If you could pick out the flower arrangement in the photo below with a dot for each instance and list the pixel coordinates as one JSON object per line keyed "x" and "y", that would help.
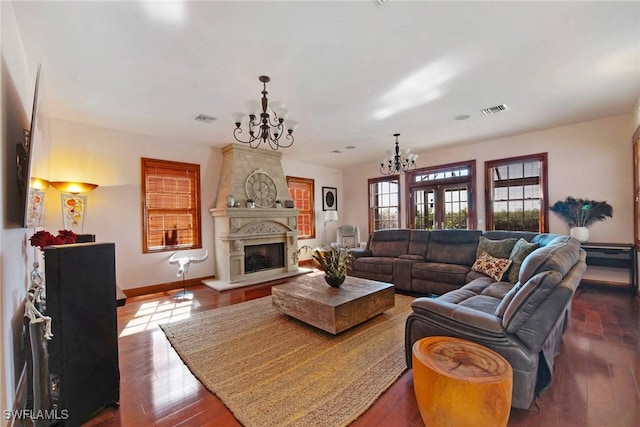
{"x": 43, "y": 238}
{"x": 581, "y": 212}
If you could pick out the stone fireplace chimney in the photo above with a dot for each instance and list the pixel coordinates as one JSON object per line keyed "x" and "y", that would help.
{"x": 264, "y": 238}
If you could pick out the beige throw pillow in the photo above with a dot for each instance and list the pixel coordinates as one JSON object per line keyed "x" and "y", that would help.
{"x": 490, "y": 266}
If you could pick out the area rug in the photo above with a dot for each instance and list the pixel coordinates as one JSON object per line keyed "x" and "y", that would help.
{"x": 272, "y": 370}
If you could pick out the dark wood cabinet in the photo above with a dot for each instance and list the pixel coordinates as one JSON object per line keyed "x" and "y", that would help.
{"x": 83, "y": 353}
{"x": 611, "y": 265}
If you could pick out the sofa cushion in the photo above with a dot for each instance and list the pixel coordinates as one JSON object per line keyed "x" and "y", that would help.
{"x": 527, "y": 298}
{"x": 496, "y": 248}
{"x": 520, "y": 251}
{"x": 506, "y": 300}
{"x": 498, "y": 289}
{"x": 492, "y": 267}
{"x": 453, "y": 246}
{"x": 418, "y": 243}
{"x": 504, "y": 234}
{"x": 390, "y": 243}
{"x": 483, "y": 303}
{"x": 377, "y": 265}
{"x": 558, "y": 255}
{"x": 412, "y": 257}
{"x": 440, "y": 272}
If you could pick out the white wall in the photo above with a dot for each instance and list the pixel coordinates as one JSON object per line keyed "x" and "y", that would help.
{"x": 111, "y": 159}
{"x": 18, "y": 83}
{"x": 588, "y": 160}
{"x": 323, "y": 177}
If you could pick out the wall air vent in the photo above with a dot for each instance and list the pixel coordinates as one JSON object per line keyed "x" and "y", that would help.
{"x": 204, "y": 118}
{"x": 494, "y": 110}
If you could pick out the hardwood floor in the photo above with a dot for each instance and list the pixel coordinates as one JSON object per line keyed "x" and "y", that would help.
{"x": 596, "y": 380}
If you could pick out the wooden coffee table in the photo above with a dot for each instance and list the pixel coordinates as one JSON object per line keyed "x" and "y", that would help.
{"x": 308, "y": 298}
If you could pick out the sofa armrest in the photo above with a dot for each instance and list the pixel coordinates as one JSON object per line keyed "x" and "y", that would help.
{"x": 464, "y": 317}
{"x": 402, "y": 272}
{"x": 360, "y": 252}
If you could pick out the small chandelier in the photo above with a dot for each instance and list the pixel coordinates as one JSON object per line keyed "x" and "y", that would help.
{"x": 265, "y": 127}
{"x": 400, "y": 162}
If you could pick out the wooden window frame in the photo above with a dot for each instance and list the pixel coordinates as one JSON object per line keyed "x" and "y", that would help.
{"x": 543, "y": 223}
{"x": 147, "y": 165}
{"x": 372, "y": 208}
{"x": 310, "y": 183}
{"x": 469, "y": 180}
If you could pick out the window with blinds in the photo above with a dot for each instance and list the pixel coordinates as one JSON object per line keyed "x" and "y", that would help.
{"x": 171, "y": 205}
{"x": 301, "y": 191}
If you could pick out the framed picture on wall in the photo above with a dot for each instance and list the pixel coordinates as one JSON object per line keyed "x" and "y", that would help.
{"x": 329, "y": 199}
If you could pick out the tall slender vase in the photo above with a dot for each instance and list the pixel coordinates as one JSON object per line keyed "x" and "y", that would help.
{"x": 580, "y": 233}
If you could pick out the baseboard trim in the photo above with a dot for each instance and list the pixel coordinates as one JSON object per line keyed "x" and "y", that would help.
{"x": 164, "y": 287}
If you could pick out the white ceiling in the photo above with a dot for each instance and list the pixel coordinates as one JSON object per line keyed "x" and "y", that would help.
{"x": 353, "y": 73}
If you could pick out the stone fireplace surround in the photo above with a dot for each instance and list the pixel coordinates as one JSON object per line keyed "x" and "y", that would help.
{"x": 238, "y": 228}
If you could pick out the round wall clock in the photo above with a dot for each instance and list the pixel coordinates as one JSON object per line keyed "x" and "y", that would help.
{"x": 261, "y": 188}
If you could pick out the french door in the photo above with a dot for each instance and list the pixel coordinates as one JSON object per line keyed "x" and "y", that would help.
{"x": 442, "y": 206}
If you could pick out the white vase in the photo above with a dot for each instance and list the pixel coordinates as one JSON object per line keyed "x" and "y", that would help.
{"x": 580, "y": 233}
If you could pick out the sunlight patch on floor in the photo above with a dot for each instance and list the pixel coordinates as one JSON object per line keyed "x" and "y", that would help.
{"x": 150, "y": 314}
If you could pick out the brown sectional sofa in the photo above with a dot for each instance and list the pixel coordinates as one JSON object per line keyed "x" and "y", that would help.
{"x": 418, "y": 261}
{"x": 523, "y": 320}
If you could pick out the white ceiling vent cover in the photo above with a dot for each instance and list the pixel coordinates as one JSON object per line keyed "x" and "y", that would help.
{"x": 204, "y": 118}
{"x": 495, "y": 110}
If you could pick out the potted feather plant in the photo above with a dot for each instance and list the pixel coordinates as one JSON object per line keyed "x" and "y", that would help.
{"x": 580, "y": 214}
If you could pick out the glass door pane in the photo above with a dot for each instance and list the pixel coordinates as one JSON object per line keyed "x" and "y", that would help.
{"x": 455, "y": 206}
{"x": 424, "y": 217}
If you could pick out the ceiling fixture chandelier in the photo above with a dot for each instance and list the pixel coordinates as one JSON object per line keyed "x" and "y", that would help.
{"x": 263, "y": 126}
{"x": 398, "y": 162}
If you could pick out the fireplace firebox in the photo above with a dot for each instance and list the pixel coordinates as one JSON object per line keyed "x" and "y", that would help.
{"x": 263, "y": 257}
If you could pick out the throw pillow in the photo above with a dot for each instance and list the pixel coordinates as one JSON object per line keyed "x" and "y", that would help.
{"x": 490, "y": 266}
{"x": 496, "y": 248}
{"x": 521, "y": 249}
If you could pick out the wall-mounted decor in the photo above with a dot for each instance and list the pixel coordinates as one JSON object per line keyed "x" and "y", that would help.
{"x": 329, "y": 199}
{"x": 73, "y": 212}
{"x": 636, "y": 187}
{"x": 32, "y": 157}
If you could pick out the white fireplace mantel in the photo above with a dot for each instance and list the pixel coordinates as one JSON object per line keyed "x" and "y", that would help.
{"x": 236, "y": 228}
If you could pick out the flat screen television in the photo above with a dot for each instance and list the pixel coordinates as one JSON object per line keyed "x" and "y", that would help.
{"x": 32, "y": 158}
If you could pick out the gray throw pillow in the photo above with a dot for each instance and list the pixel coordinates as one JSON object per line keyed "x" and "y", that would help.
{"x": 496, "y": 248}
{"x": 520, "y": 250}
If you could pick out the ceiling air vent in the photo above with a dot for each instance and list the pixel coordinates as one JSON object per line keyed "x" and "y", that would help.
{"x": 204, "y": 118}
{"x": 494, "y": 110}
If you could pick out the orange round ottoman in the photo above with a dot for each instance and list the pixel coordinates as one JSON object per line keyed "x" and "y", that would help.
{"x": 461, "y": 383}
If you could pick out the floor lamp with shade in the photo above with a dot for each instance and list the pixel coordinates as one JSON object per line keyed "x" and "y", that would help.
{"x": 329, "y": 216}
